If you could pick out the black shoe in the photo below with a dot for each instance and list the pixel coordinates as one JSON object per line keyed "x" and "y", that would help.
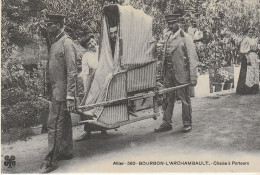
{"x": 65, "y": 157}
{"x": 46, "y": 167}
{"x": 187, "y": 128}
{"x": 163, "y": 128}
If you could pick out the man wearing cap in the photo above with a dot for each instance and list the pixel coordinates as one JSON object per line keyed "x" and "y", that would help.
{"x": 180, "y": 61}
{"x": 62, "y": 76}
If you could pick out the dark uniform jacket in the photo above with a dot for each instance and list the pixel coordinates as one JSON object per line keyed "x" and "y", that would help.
{"x": 63, "y": 68}
{"x": 180, "y": 54}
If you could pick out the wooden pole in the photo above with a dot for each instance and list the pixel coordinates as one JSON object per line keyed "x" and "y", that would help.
{"x": 137, "y": 97}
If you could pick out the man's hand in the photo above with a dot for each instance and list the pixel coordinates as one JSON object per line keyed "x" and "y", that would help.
{"x": 193, "y": 82}
{"x": 71, "y": 106}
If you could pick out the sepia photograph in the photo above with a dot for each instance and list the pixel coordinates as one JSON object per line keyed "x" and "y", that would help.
{"x": 130, "y": 86}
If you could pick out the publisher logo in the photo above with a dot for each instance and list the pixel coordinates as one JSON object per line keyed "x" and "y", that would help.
{"x": 10, "y": 161}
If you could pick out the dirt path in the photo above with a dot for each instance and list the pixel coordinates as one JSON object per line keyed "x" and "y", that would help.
{"x": 226, "y": 129}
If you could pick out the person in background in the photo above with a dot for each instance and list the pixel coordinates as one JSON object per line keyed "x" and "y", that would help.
{"x": 248, "y": 82}
{"x": 63, "y": 77}
{"x": 89, "y": 62}
{"x": 113, "y": 38}
{"x": 89, "y": 65}
{"x": 179, "y": 67}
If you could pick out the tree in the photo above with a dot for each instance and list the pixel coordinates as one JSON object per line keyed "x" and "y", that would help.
{"x": 20, "y": 106}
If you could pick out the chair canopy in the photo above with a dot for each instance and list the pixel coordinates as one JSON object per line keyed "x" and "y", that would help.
{"x": 134, "y": 47}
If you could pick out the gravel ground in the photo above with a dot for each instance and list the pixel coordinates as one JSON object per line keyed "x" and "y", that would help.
{"x": 226, "y": 129}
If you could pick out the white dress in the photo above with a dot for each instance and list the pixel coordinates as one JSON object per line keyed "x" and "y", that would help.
{"x": 89, "y": 61}
{"x": 252, "y": 75}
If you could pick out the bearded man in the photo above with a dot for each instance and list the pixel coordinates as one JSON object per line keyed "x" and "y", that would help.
{"x": 179, "y": 67}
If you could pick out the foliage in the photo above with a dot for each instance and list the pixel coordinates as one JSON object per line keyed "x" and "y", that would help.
{"x": 20, "y": 104}
{"x": 221, "y": 52}
{"x": 82, "y": 18}
{"x": 225, "y": 23}
{"x": 222, "y": 76}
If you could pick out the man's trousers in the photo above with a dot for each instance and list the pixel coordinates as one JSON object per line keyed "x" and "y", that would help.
{"x": 59, "y": 131}
{"x": 170, "y": 98}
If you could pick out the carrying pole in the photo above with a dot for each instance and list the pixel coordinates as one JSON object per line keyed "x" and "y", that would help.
{"x": 135, "y": 97}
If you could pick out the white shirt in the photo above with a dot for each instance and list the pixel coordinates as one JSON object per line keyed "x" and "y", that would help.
{"x": 89, "y": 60}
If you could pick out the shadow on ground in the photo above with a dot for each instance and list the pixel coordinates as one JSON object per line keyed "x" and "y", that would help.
{"x": 226, "y": 124}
